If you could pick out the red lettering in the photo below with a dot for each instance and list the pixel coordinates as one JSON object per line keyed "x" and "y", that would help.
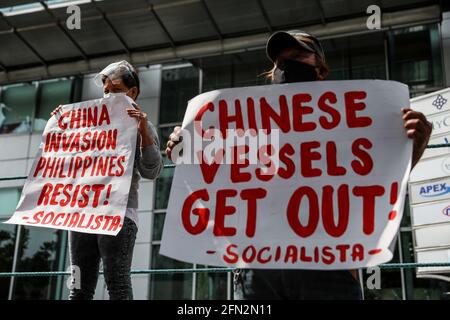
{"x": 293, "y": 211}
{"x": 202, "y": 213}
{"x": 368, "y": 193}
{"x": 352, "y": 106}
{"x": 299, "y": 110}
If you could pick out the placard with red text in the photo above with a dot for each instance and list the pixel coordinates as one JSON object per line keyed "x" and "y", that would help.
{"x": 327, "y": 189}
{"x": 81, "y": 176}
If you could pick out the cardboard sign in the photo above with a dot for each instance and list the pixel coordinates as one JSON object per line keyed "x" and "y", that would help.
{"x": 330, "y": 197}
{"x": 81, "y": 175}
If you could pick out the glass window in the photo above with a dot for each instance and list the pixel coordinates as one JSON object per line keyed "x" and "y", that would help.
{"x": 7, "y": 245}
{"x": 178, "y": 86}
{"x": 234, "y": 70}
{"x": 356, "y": 57}
{"x": 163, "y": 185}
{"x": 9, "y": 198}
{"x": 40, "y": 250}
{"x": 211, "y": 286}
{"x": 158, "y": 224}
{"x": 415, "y": 56}
{"x": 217, "y": 72}
{"x": 421, "y": 288}
{"x": 390, "y": 285}
{"x": 169, "y": 286}
{"x": 52, "y": 94}
{"x": 17, "y": 105}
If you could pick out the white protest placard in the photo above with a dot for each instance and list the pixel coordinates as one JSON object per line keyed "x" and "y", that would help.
{"x": 81, "y": 176}
{"x": 327, "y": 191}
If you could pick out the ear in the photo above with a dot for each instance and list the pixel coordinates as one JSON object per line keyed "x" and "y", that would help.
{"x": 133, "y": 93}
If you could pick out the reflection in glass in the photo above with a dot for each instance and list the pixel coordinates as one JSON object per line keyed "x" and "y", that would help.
{"x": 39, "y": 250}
{"x": 234, "y": 70}
{"x": 158, "y": 224}
{"x": 16, "y": 108}
{"x": 390, "y": 284}
{"x": 356, "y": 57}
{"x": 163, "y": 185}
{"x": 178, "y": 86}
{"x": 52, "y": 94}
{"x": 211, "y": 286}
{"x": 169, "y": 286}
{"x": 7, "y": 244}
{"x": 415, "y": 56}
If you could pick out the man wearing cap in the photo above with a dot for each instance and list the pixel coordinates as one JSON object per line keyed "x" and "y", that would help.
{"x": 116, "y": 252}
{"x": 298, "y": 56}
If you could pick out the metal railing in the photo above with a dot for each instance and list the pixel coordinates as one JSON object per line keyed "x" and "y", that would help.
{"x": 212, "y": 270}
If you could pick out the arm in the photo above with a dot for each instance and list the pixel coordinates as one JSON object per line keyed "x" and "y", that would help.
{"x": 150, "y": 162}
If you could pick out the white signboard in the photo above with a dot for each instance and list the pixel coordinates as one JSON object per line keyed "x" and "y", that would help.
{"x": 433, "y": 256}
{"x": 429, "y": 185}
{"x": 335, "y": 200}
{"x": 434, "y": 140}
{"x": 81, "y": 176}
{"x": 432, "y": 103}
{"x": 432, "y": 190}
{"x": 431, "y": 168}
{"x": 434, "y": 236}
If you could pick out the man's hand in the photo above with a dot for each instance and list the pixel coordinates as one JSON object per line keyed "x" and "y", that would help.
{"x": 419, "y": 129}
{"x": 143, "y": 129}
{"x": 174, "y": 139}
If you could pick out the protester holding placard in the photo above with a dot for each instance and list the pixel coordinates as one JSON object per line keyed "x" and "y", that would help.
{"x": 298, "y": 57}
{"x": 116, "y": 252}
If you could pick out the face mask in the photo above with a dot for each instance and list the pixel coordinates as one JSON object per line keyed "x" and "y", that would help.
{"x": 289, "y": 71}
{"x": 114, "y": 94}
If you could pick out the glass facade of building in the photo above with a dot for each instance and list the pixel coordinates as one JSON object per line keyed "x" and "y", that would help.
{"x": 411, "y": 55}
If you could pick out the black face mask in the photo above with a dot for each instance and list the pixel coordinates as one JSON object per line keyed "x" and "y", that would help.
{"x": 289, "y": 71}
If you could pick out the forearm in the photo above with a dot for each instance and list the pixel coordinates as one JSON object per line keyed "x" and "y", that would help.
{"x": 150, "y": 163}
{"x": 417, "y": 154}
{"x": 418, "y": 151}
{"x": 146, "y": 138}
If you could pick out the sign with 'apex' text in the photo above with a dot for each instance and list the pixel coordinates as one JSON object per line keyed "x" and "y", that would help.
{"x": 295, "y": 176}
{"x": 81, "y": 176}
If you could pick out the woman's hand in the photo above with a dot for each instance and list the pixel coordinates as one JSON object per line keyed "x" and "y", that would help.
{"x": 142, "y": 117}
{"x": 143, "y": 129}
{"x": 419, "y": 129}
{"x": 174, "y": 139}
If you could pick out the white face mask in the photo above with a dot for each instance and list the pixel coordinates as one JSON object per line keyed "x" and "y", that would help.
{"x": 114, "y": 94}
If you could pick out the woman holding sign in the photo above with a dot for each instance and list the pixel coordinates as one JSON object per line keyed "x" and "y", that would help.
{"x": 297, "y": 57}
{"x": 116, "y": 252}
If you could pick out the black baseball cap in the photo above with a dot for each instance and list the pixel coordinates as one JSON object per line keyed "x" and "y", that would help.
{"x": 283, "y": 39}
